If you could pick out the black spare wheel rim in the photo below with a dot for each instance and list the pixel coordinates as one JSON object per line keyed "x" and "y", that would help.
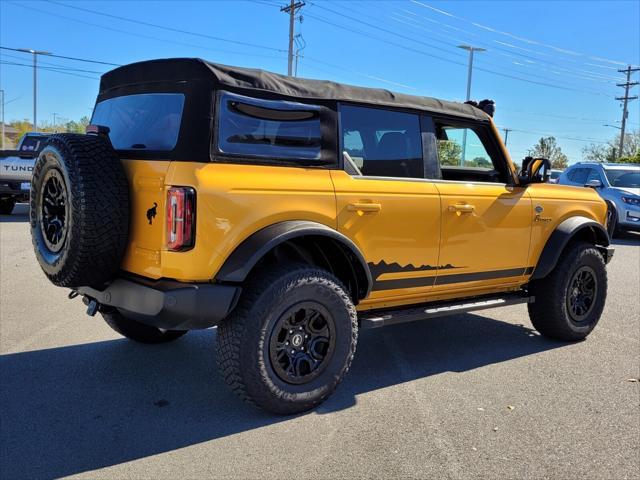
{"x": 581, "y": 296}
{"x": 302, "y": 342}
{"x": 53, "y": 207}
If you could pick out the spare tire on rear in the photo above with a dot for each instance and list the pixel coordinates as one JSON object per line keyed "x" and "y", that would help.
{"x": 79, "y": 210}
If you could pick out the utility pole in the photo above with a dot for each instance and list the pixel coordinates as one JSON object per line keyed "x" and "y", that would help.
{"x": 471, "y": 50}
{"x": 56, "y": 116}
{"x": 628, "y": 84}
{"x": 35, "y": 54}
{"x": 291, "y": 9}
{"x": 300, "y": 46}
{"x": 506, "y": 135}
{"x": 2, "y": 115}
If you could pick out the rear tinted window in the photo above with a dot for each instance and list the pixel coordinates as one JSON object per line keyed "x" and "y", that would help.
{"x": 149, "y": 121}
{"x": 33, "y": 143}
{"x": 268, "y": 128}
{"x": 382, "y": 143}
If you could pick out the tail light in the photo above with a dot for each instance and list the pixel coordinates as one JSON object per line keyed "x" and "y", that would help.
{"x": 181, "y": 218}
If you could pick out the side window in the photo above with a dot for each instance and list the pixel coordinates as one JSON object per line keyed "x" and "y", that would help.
{"x": 593, "y": 175}
{"x": 381, "y": 143}
{"x": 268, "y": 128}
{"x": 579, "y": 175}
{"x": 462, "y": 147}
{"x": 465, "y": 153}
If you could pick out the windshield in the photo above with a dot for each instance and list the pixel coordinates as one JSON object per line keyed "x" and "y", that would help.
{"x": 149, "y": 121}
{"x": 623, "y": 178}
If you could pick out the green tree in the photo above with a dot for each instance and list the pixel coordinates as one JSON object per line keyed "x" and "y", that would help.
{"x": 608, "y": 152}
{"x": 449, "y": 152}
{"x": 77, "y": 127}
{"x": 547, "y": 147}
{"x": 23, "y": 126}
{"x": 634, "y": 159}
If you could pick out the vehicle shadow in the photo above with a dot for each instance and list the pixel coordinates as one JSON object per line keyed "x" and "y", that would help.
{"x": 20, "y": 214}
{"x": 627, "y": 238}
{"x": 79, "y": 408}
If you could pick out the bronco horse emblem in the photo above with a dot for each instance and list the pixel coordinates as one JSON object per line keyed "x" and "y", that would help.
{"x": 151, "y": 213}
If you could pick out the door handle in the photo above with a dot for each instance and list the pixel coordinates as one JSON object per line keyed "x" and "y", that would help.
{"x": 462, "y": 208}
{"x": 364, "y": 207}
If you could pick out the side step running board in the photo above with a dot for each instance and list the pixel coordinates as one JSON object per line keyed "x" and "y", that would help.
{"x": 440, "y": 309}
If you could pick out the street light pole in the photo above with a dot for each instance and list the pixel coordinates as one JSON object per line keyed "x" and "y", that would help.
{"x": 35, "y": 54}
{"x": 2, "y": 115}
{"x": 471, "y": 50}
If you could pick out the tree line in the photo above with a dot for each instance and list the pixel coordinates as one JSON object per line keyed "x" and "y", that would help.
{"x": 24, "y": 126}
{"x": 547, "y": 147}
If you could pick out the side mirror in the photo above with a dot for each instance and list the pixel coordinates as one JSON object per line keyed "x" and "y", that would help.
{"x": 535, "y": 170}
{"x": 593, "y": 183}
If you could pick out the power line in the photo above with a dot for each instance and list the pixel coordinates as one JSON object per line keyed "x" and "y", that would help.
{"x": 444, "y": 59}
{"x": 439, "y": 24}
{"x": 51, "y": 69}
{"x": 517, "y": 37}
{"x": 530, "y": 60}
{"x": 165, "y": 27}
{"x": 67, "y": 58}
{"x": 563, "y": 117}
{"x": 65, "y": 67}
{"x": 139, "y": 35}
{"x": 552, "y": 134}
{"x": 358, "y": 20}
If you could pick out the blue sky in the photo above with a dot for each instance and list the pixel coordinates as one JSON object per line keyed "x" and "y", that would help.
{"x": 550, "y": 66}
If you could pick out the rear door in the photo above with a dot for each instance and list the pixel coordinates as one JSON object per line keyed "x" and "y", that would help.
{"x": 144, "y": 129}
{"x": 486, "y": 220}
{"x": 384, "y": 204}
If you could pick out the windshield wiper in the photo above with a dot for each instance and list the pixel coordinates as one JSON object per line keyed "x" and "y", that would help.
{"x": 139, "y": 146}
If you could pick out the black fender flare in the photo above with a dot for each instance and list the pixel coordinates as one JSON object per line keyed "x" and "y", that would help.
{"x": 237, "y": 266}
{"x": 561, "y": 236}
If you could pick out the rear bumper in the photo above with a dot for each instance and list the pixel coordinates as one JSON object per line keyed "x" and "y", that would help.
{"x": 13, "y": 189}
{"x": 167, "y": 304}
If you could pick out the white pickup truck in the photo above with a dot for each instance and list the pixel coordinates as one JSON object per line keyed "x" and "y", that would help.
{"x": 16, "y": 168}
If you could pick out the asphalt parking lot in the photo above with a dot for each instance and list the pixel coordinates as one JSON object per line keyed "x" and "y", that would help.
{"x": 476, "y": 395}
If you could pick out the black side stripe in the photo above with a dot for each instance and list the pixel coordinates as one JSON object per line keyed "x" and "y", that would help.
{"x": 449, "y": 279}
{"x": 403, "y": 283}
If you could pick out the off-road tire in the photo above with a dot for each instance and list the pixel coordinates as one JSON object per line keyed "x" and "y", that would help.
{"x": 96, "y": 223}
{"x": 7, "y": 205}
{"x": 138, "y": 331}
{"x": 550, "y": 313}
{"x": 244, "y": 337}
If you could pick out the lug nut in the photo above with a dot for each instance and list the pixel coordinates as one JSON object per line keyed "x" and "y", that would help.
{"x": 286, "y": 343}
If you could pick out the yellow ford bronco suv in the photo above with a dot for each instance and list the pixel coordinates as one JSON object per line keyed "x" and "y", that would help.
{"x": 291, "y": 213}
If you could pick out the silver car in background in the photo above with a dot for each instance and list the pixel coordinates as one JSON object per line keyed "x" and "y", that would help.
{"x": 617, "y": 183}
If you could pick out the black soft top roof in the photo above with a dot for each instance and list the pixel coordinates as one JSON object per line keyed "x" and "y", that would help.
{"x": 189, "y": 69}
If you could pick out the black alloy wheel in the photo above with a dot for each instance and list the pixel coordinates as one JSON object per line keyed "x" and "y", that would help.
{"x": 290, "y": 340}
{"x": 583, "y": 288}
{"x": 570, "y": 300}
{"x": 52, "y": 207}
{"x": 302, "y": 342}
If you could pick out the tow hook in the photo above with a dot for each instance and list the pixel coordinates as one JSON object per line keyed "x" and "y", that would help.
{"x": 92, "y": 305}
